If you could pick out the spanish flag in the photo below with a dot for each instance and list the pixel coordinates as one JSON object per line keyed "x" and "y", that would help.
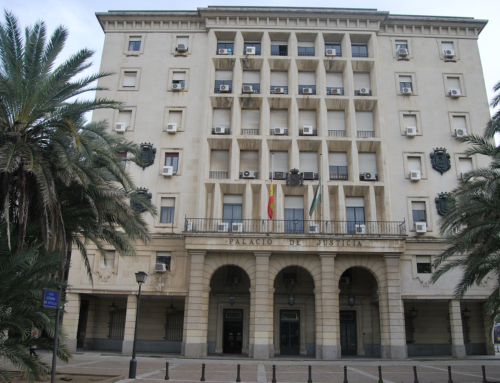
{"x": 270, "y": 204}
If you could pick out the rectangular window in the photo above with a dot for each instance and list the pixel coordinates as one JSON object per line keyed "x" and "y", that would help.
{"x": 355, "y": 213}
{"x": 405, "y": 82}
{"x": 308, "y": 162}
{"x": 401, "y": 44}
{"x": 414, "y": 163}
{"x": 249, "y": 160}
{"x": 279, "y": 48}
{"x": 117, "y": 325}
{"x": 367, "y": 162}
{"x": 252, "y": 77}
{"x": 179, "y": 78}
{"x": 453, "y": 83}
{"x": 336, "y": 46}
{"x": 250, "y": 122}
{"x": 223, "y": 77}
{"x": 465, "y": 165}
{"x": 424, "y": 264}
{"x": 418, "y": 212}
{"x": 307, "y": 80}
{"x": 184, "y": 40}
{"x": 447, "y": 46}
{"x": 255, "y": 45}
{"x": 125, "y": 117}
{"x": 222, "y": 117}
{"x": 294, "y": 214}
{"x": 279, "y": 119}
{"x": 226, "y": 45}
{"x": 134, "y": 44}
{"x": 361, "y": 81}
{"x": 279, "y": 80}
{"x": 164, "y": 257}
{"x": 175, "y": 117}
{"x": 364, "y": 124}
{"x": 459, "y": 123}
{"x": 232, "y": 210}
{"x": 174, "y": 325}
{"x": 219, "y": 164}
{"x": 167, "y": 210}
{"x": 409, "y": 120}
{"x": 336, "y": 123}
{"x": 359, "y": 50}
{"x": 109, "y": 261}
{"x": 172, "y": 159}
{"x": 123, "y": 159}
{"x": 338, "y": 165}
{"x": 129, "y": 79}
{"x": 306, "y": 48}
{"x": 280, "y": 162}
{"x": 334, "y": 83}
{"x": 307, "y": 118}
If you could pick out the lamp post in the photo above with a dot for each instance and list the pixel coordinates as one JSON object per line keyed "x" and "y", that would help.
{"x": 140, "y": 277}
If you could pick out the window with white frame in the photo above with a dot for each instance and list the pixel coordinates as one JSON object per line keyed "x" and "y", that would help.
{"x": 405, "y": 82}
{"x": 134, "y": 43}
{"x": 418, "y": 212}
{"x": 179, "y": 78}
{"x": 167, "y": 210}
{"x": 129, "y": 79}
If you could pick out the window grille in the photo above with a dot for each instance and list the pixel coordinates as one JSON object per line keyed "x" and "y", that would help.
{"x": 174, "y": 326}
{"x": 117, "y": 325}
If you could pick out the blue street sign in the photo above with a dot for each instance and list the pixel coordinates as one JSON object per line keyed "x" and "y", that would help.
{"x": 50, "y": 298}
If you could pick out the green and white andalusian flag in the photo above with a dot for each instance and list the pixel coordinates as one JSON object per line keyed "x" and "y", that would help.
{"x": 317, "y": 198}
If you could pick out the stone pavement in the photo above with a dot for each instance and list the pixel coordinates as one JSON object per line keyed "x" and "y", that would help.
{"x": 151, "y": 369}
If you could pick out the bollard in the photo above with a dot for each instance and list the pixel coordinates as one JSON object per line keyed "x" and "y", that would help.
{"x": 484, "y": 374}
{"x": 449, "y": 375}
{"x": 274, "y": 374}
{"x": 345, "y": 374}
{"x": 202, "y": 372}
{"x": 415, "y": 374}
{"x": 380, "y": 374}
{"x": 310, "y": 378}
{"x": 238, "y": 379}
{"x": 166, "y": 372}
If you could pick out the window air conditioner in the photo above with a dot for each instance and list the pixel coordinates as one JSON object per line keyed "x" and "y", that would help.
{"x": 411, "y": 131}
{"x": 307, "y": 130}
{"x": 402, "y": 52}
{"x": 455, "y": 93}
{"x": 449, "y": 53}
{"x": 222, "y": 227}
{"x": 335, "y": 92}
{"x": 224, "y": 88}
{"x": 223, "y": 52}
{"x": 249, "y": 174}
{"x": 370, "y": 176}
{"x": 279, "y": 90}
{"x": 364, "y": 92}
{"x": 360, "y": 229}
{"x": 406, "y": 91}
{"x": 171, "y": 128}
{"x": 331, "y": 52}
{"x": 120, "y": 127}
{"x": 250, "y": 50}
{"x": 176, "y": 86}
{"x": 279, "y": 131}
{"x": 167, "y": 171}
{"x": 220, "y": 130}
{"x": 415, "y": 175}
{"x": 421, "y": 227}
{"x": 189, "y": 226}
{"x": 279, "y": 175}
{"x": 313, "y": 228}
{"x": 247, "y": 89}
{"x": 181, "y": 48}
{"x": 460, "y": 132}
{"x": 233, "y": 280}
{"x": 308, "y": 175}
{"x": 307, "y": 91}
{"x": 344, "y": 280}
{"x": 160, "y": 268}
{"x": 237, "y": 227}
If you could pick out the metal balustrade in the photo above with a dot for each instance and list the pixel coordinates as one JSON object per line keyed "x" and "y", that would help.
{"x": 249, "y": 132}
{"x": 366, "y": 133}
{"x": 219, "y": 175}
{"x": 336, "y": 133}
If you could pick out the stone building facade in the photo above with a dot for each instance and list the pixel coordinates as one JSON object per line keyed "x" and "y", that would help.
{"x": 219, "y": 98}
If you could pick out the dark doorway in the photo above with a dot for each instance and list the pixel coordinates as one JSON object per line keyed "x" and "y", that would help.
{"x": 233, "y": 331}
{"x": 348, "y": 336}
{"x": 82, "y": 322}
{"x": 290, "y": 332}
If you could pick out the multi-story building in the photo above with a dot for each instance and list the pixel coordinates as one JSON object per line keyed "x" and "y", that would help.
{"x": 223, "y": 99}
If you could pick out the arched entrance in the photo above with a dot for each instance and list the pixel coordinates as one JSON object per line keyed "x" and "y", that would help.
{"x": 229, "y": 311}
{"x": 294, "y": 312}
{"x": 359, "y": 316}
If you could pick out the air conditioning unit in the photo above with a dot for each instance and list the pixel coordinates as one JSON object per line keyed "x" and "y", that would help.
{"x": 279, "y": 131}
{"x": 460, "y": 133}
{"x": 307, "y": 91}
{"x": 415, "y": 175}
{"x": 224, "y": 88}
{"x": 344, "y": 280}
{"x": 120, "y": 127}
{"x": 249, "y": 174}
{"x": 167, "y": 171}
{"x": 189, "y": 226}
{"x": 279, "y": 176}
{"x": 406, "y": 91}
{"x": 223, "y": 227}
{"x": 402, "y": 52}
{"x": 331, "y": 52}
{"x": 247, "y": 89}
{"x": 250, "y": 50}
{"x": 411, "y": 131}
{"x": 313, "y": 228}
{"x": 220, "y": 130}
{"x": 455, "y": 93}
{"x": 279, "y": 90}
{"x": 223, "y": 52}
{"x": 233, "y": 280}
{"x": 160, "y": 268}
{"x": 237, "y": 227}
{"x": 171, "y": 128}
{"x": 449, "y": 53}
{"x": 307, "y": 130}
{"x": 335, "y": 92}
{"x": 421, "y": 227}
{"x": 364, "y": 92}
{"x": 176, "y": 86}
{"x": 181, "y": 48}
{"x": 360, "y": 229}
{"x": 370, "y": 176}
{"x": 308, "y": 175}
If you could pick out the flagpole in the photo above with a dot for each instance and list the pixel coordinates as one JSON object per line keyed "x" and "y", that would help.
{"x": 320, "y": 173}
{"x": 272, "y": 175}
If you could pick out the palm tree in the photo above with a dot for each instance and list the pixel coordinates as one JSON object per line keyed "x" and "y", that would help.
{"x": 471, "y": 226}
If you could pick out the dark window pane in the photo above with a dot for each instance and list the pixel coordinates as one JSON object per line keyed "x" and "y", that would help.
{"x": 419, "y": 216}
{"x": 167, "y": 214}
{"x": 424, "y": 268}
{"x": 165, "y": 259}
{"x": 134, "y": 46}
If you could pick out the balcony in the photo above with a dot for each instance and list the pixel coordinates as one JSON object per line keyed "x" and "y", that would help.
{"x": 312, "y": 227}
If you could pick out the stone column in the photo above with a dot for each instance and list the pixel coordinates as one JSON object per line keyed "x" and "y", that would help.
{"x": 130, "y": 315}
{"x": 392, "y": 312}
{"x": 197, "y": 309}
{"x": 88, "y": 342}
{"x": 456, "y": 333}
{"x": 70, "y": 319}
{"x": 263, "y": 329}
{"x": 330, "y": 308}
{"x": 318, "y": 316}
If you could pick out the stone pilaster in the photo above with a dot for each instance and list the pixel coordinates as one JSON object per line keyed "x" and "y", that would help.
{"x": 130, "y": 315}
{"x": 263, "y": 330}
{"x": 456, "y": 333}
{"x": 88, "y": 343}
{"x": 70, "y": 320}
{"x": 488, "y": 329}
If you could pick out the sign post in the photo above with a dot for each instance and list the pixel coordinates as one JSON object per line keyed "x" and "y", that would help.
{"x": 51, "y": 299}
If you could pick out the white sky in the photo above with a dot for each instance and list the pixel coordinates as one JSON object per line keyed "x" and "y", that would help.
{"x": 84, "y": 30}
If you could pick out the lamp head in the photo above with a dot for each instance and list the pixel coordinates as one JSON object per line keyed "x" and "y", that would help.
{"x": 113, "y": 308}
{"x": 351, "y": 300}
{"x": 413, "y": 312}
{"x": 466, "y": 313}
{"x": 140, "y": 277}
{"x": 231, "y": 299}
{"x": 291, "y": 299}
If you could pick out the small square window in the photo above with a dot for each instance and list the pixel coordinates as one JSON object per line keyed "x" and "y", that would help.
{"x": 129, "y": 79}
{"x": 401, "y": 44}
{"x": 109, "y": 261}
{"x": 134, "y": 44}
{"x": 164, "y": 257}
{"x": 424, "y": 264}
{"x": 167, "y": 210}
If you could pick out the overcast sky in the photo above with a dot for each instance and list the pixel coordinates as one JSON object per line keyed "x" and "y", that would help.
{"x": 84, "y": 30}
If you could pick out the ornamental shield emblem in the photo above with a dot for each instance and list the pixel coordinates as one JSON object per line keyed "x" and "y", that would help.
{"x": 136, "y": 205}
{"x": 147, "y": 155}
{"x": 441, "y": 203}
{"x": 294, "y": 178}
{"x": 440, "y": 160}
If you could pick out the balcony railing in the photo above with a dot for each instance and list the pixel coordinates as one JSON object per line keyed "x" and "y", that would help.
{"x": 312, "y": 87}
{"x": 216, "y": 174}
{"x": 334, "y": 91}
{"x": 336, "y": 133}
{"x": 366, "y": 133}
{"x": 255, "y": 87}
{"x": 338, "y": 173}
{"x": 277, "y": 52}
{"x": 216, "y": 129}
{"x": 277, "y": 132}
{"x": 314, "y": 132}
{"x": 256, "y": 226}
{"x": 273, "y": 87}
{"x": 249, "y": 132}
{"x": 217, "y": 90}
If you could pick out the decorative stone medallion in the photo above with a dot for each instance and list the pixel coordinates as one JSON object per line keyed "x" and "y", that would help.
{"x": 136, "y": 205}
{"x": 440, "y": 160}
{"x": 147, "y": 155}
{"x": 441, "y": 203}
{"x": 294, "y": 178}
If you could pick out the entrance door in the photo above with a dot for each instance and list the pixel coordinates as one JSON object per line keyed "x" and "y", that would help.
{"x": 348, "y": 335}
{"x": 290, "y": 332}
{"x": 233, "y": 331}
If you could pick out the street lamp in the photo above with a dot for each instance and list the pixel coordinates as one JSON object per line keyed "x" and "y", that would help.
{"x": 351, "y": 300}
{"x": 291, "y": 299}
{"x": 140, "y": 277}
